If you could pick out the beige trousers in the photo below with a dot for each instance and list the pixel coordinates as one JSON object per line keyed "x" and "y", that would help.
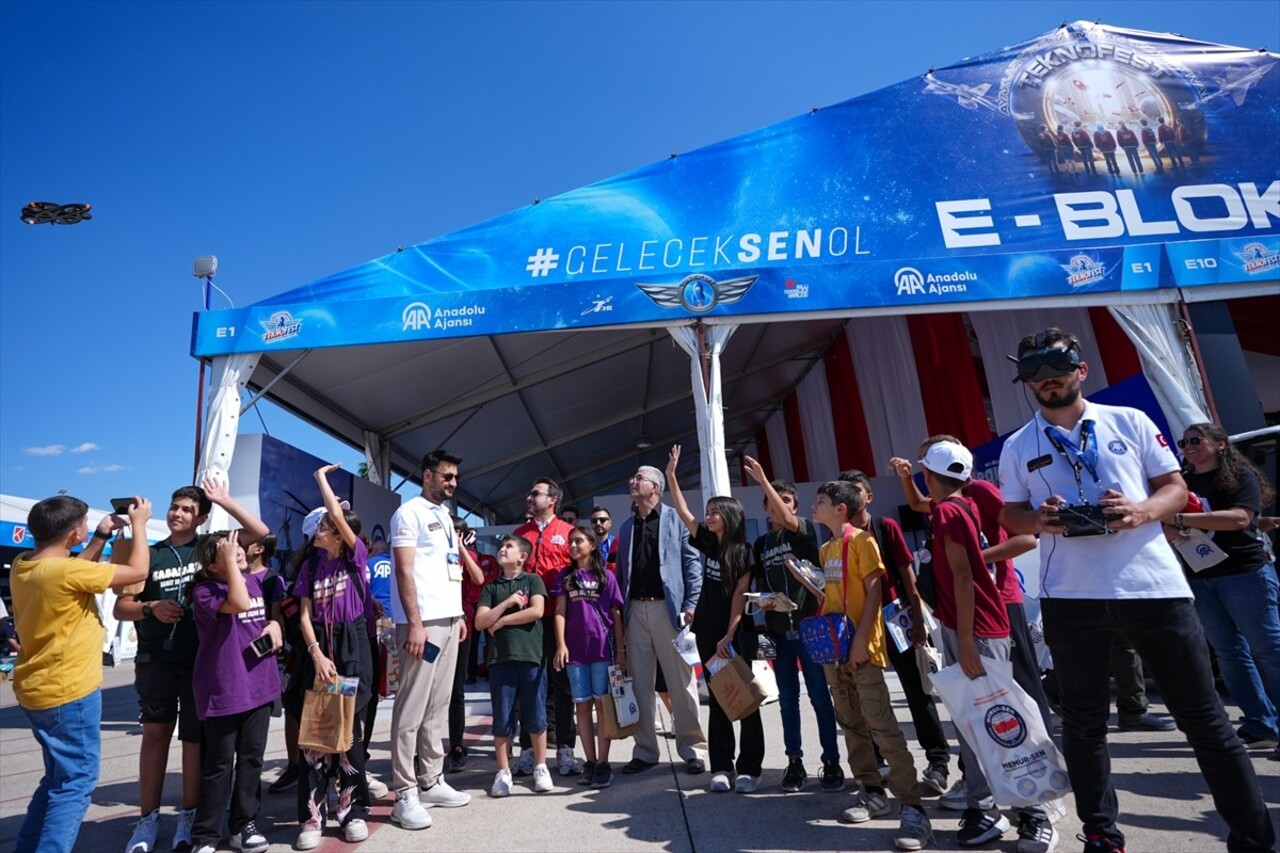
{"x": 864, "y": 711}
{"x": 420, "y": 717}
{"x": 649, "y": 638}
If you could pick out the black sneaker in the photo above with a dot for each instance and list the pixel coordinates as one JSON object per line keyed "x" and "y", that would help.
{"x": 286, "y": 780}
{"x": 979, "y": 828}
{"x": 1035, "y": 835}
{"x": 933, "y": 781}
{"x": 832, "y": 776}
{"x": 588, "y": 770}
{"x": 249, "y": 840}
{"x": 457, "y": 760}
{"x": 603, "y": 777}
{"x": 793, "y": 779}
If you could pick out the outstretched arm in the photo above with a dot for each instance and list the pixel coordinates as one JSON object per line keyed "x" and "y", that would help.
{"x": 220, "y": 493}
{"x": 778, "y": 510}
{"x": 915, "y": 498}
{"x": 331, "y": 505}
{"x": 677, "y": 496}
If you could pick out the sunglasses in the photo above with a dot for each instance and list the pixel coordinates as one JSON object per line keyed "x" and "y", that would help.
{"x": 1194, "y": 441}
{"x": 604, "y": 519}
{"x": 1043, "y": 364}
{"x": 536, "y": 494}
{"x": 448, "y": 477}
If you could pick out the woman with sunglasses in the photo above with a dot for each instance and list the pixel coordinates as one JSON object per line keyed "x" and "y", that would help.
{"x": 1236, "y": 598}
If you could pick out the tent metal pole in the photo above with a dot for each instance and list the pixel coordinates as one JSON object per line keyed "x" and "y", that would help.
{"x": 1199, "y": 359}
{"x": 262, "y": 392}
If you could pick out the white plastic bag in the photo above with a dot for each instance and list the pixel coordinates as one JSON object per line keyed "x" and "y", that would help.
{"x": 928, "y": 661}
{"x": 686, "y": 645}
{"x": 624, "y": 697}
{"x": 1002, "y": 724}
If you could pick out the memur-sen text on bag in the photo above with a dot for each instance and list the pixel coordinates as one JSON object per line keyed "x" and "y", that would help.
{"x": 735, "y": 687}
{"x": 1002, "y": 723}
{"x": 828, "y": 638}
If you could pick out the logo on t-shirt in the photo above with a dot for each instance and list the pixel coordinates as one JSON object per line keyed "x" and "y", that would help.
{"x": 1118, "y": 447}
{"x": 1005, "y": 726}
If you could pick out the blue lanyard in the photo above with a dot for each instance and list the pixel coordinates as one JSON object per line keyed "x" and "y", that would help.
{"x": 447, "y": 523}
{"x": 1085, "y": 456}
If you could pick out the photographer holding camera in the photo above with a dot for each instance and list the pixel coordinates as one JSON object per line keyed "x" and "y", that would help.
{"x": 1094, "y": 481}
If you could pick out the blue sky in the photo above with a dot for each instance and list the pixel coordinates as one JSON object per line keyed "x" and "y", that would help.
{"x": 294, "y": 140}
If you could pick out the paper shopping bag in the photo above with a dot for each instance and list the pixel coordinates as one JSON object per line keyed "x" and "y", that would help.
{"x": 327, "y": 721}
{"x": 734, "y": 686}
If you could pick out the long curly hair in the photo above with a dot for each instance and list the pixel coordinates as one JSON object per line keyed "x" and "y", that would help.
{"x": 735, "y": 553}
{"x": 1231, "y": 463}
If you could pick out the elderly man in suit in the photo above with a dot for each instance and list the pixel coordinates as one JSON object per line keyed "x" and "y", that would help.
{"x": 660, "y": 576}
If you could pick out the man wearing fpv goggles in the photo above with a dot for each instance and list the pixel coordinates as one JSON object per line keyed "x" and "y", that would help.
{"x": 1075, "y": 454}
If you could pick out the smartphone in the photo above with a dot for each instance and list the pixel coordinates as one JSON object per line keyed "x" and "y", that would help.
{"x": 120, "y": 506}
{"x": 430, "y": 651}
{"x": 263, "y": 646}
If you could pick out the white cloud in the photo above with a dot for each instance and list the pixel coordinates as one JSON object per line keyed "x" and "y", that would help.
{"x": 101, "y": 469}
{"x": 89, "y": 469}
{"x": 85, "y": 447}
{"x": 112, "y": 468}
{"x": 47, "y": 450}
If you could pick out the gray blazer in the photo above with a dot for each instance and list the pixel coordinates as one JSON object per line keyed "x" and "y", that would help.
{"x": 678, "y": 563}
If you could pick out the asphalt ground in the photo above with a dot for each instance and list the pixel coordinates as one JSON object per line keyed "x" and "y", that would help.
{"x": 1164, "y": 805}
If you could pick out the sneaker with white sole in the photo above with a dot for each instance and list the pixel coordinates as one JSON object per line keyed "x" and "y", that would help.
{"x": 524, "y": 764}
{"x": 501, "y": 786}
{"x": 542, "y": 779}
{"x": 408, "y": 813}
{"x": 1056, "y": 809}
{"x": 720, "y": 783}
{"x": 866, "y": 805}
{"x": 144, "y": 835}
{"x": 309, "y": 835}
{"x": 206, "y": 848}
{"x": 355, "y": 830}
{"x": 1036, "y": 835}
{"x": 978, "y": 827}
{"x": 249, "y": 840}
{"x": 746, "y": 784}
{"x": 377, "y": 788}
{"x": 182, "y": 832}
{"x": 566, "y": 763}
{"x": 443, "y": 794}
{"x": 914, "y": 830}
{"x": 956, "y": 798}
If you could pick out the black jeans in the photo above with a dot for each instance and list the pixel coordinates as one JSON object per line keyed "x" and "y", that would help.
{"x": 720, "y": 739}
{"x": 924, "y": 711}
{"x": 233, "y": 744}
{"x": 1026, "y": 667}
{"x": 371, "y": 710}
{"x": 1131, "y": 680}
{"x": 458, "y": 701}
{"x": 562, "y": 721}
{"x": 1167, "y": 634}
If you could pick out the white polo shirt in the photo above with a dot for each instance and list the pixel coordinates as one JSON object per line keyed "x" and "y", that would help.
{"x": 427, "y": 528}
{"x": 1136, "y": 563}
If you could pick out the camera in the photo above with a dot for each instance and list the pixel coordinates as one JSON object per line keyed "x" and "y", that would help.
{"x": 1083, "y": 520}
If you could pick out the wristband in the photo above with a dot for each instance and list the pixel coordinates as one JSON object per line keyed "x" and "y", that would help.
{"x": 98, "y": 534}
{"x": 1178, "y": 522}
{"x": 313, "y": 645}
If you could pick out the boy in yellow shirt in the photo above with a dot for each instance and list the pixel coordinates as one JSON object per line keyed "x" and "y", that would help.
{"x": 858, "y": 688}
{"x": 59, "y": 670}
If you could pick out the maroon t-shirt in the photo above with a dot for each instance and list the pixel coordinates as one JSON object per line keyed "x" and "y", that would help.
{"x": 950, "y": 521}
{"x": 986, "y": 495}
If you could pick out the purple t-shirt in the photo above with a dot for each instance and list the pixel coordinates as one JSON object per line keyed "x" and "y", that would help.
{"x": 340, "y": 588}
{"x": 588, "y": 619}
{"x": 229, "y": 677}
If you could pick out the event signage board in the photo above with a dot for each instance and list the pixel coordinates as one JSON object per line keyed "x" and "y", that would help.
{"x": 1090, "y": 159}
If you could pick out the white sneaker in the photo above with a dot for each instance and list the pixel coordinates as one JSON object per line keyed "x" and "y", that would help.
{"x": 182, "y": 832}
{"x": 747, "y": 784}
{"x": 309, "y": 836}
{"x": 501, "y": 784}
{"x": 442, "y": 794}
{"x": 542, "y": 779}
{"x": 566, "y": 763}
{"x": 524, "y": 764}
{"x": 1056, "y": 809}
{"x": 377, "y": 788}
{"x": 720, "y": 783}
{"x": 355, "y": 830}
{"x": 408, "y": 813}
{"x": 144, "y": 835}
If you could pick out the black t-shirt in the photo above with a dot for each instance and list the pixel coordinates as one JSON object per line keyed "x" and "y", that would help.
{"x": 711, "y": 616}
{"x": 771, "y": 573}
{"x": 646, "y": 570}
{"x": 1244, "y": 547}
{"x": 172, "y": 566}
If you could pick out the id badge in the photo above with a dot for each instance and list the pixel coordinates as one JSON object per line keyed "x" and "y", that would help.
{"x": 455, "y": 567}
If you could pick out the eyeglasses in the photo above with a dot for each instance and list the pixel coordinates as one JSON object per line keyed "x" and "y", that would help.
{"x": 537, "y": 494}
{"x": 1043, "y": 364}
{"x": 1194, "y": 441}
{"x": 604, "y": 519}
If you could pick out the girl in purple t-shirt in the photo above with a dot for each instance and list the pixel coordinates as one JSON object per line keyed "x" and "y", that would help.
{"x": 588, "y": 608}
{"x": 333, "y": 587}
{"x": 235, "y": 686}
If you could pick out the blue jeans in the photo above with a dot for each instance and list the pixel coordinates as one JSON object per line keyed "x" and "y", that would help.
{"x": 71, "y": 739}
{"x": 1240, "y": 620}
{"x": 815, "y": 682}
{"x": 521, "y": 680}
{"x": 1167, "y": 635}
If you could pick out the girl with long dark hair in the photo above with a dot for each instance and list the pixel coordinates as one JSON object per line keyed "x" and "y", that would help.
{"x": 727, "y": 562}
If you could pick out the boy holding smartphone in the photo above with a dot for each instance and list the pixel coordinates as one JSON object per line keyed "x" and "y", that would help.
{"x": 510, "y": 609}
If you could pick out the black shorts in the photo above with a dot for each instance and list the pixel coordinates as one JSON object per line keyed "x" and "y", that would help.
{"x": 164, "y": 695}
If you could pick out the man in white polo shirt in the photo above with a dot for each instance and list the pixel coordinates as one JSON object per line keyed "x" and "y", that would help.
{"x": 1093, "y": 481}
{"x": 426, "y": 605}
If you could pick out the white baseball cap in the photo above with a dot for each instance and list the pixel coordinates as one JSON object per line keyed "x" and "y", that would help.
{"x": 949, "y": 459}
{"x": 312, "y": 519}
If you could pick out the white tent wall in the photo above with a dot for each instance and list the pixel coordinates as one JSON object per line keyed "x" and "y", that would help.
{"x": 779, "y": 448}
{"x": 1166, "y": 362}
{"x": 886, "y": 370}
{"x": 817, "y": 428}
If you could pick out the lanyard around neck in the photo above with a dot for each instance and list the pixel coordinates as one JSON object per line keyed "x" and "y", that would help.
{"x": 1084, "y": 456}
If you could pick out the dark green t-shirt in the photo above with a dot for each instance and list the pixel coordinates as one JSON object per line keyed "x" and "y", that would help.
{"x": 515, "y": 642}
{"x": 172, "y": 566}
